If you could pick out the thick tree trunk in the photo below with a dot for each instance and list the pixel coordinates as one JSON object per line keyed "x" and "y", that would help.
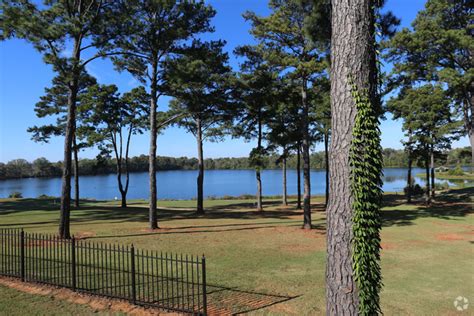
{"x": 432, "y": 167}
{"x": 285, "y": 196}
{"x": 200, "y": 177}
{"x": 65, "y": 212}
{"x": 352, "y": 54}
{"x": 76, "y": 174}
{"x": 298, "y": 176}
{"x": 409, "y": 180}
{"x": 326, "y": 158}
{"x": 306, "y": 160}
{"x": 153, "y": 219}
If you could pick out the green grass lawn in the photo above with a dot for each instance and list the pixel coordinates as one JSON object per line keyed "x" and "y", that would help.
{"x": 447, "y": 176}
{"x": 16, "y": 303}
{"x": 427, "y": 257}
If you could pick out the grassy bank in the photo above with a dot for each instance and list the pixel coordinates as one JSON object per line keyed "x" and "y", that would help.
{"x": 426, "y": 258}
{"x": 448, "y": 176}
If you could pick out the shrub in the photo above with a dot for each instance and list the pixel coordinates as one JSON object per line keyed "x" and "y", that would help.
{"x": 46, "y": 197}
{"x": 15, "y": 195}
{"x": 442, "y": 186}
{"x": 456, "y": 171}
{"x": 415, "y": 190}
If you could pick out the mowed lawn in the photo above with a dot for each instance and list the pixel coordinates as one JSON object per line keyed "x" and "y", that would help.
{"x": 266, "y": 258}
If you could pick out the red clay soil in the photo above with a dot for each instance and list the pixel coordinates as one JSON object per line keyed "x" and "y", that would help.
{"x": 95, "y": 302}
{"x": 84, "y": 235}
{"x": 467, "y": 235}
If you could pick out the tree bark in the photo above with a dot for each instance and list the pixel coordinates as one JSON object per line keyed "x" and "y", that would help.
{"x": 352, "y": 54}
{"x": 65, "y": 210}
{"x": 285, "y": 196}
{"x": 427, "y": 193}
{"x": 257, "y": 171}
{"x": 124, "y": 190}
{"x": 432, "y": 167}
{"x": 298, "y": 176}
{"x": 468, "y": 112}
{"x": 326, "y": 157}
{"x": 76, "y": 173}
{"x": 471, "y": 141}
{"x": 153, "y": 219}
{"x": 306, "y": 160}
{"x": 200, "y": 177}
{"x": 409, "y": 180}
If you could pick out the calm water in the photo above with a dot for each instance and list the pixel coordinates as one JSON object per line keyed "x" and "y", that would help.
{"x": 181, "y": 184}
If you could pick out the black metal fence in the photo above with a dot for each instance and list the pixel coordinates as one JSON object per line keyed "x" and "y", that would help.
{"x": 169, "y": 281}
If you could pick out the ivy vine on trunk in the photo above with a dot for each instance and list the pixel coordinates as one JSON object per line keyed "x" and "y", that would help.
{"x": 366, "y": 163}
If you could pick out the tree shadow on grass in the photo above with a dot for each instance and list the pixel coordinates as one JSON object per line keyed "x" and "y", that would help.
{"x": 27, "y": 205}
{"x": 238, "y": 211}
{"x": 10, "y": 206}
{"x": 233, "y": 301}
{"x": 448, "y": 205}
{"x": 96, "y": 213}
{"x": 220, "y": 228}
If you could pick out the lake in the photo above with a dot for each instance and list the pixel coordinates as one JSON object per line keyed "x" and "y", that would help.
{"x": 181, "y": 184}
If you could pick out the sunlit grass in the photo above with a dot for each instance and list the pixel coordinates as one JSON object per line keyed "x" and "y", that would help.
{"x": 426, "y": 258}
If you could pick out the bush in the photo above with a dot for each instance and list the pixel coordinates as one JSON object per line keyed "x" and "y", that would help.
{"x": 46, "y": 197}
{"x": 456, "y": 171}
{"x": 442, "y": 186}
{"x": 15, "y": 195}
{"x": 415, "y": 190}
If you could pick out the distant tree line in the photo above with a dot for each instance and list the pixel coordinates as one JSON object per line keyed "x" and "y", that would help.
{"x": 42, "y": 167}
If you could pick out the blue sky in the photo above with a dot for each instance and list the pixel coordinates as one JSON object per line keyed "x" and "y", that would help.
{"x": 23, "y": 77}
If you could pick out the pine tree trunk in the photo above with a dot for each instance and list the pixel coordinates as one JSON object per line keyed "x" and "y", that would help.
{"x": 432, "y": 167}
{"x": 65, "y": 211}
{"x": 326, "y": 158}
{"x": 427, "y": 193}
{"x": 120, "y": 185}
{"x": 153, "y": 219}
{"x": 298, "y": 176}
{"x": 127, "y": 171}
{"x": 200, "y": 177}
{"x": 259, "y": 190}
{"x": 352, "y": 54}
{"x": 76, "y": 174}
{"x": 285, "y": 197}
{"x": 471, "y": 140}
{"x": 306, "y": 160}
{"x": 409, "y": 180}
{"x": 257, "y": 172}
{"x": 118, "y": 150}
{"x": 468, "y": 112}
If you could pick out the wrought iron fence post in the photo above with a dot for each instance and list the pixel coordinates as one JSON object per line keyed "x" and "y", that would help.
{"x": 73, "y": 263}
{"x": 132, "y": 262}
{"x": 204, "y": 293}
{"x": 22, "y": 255}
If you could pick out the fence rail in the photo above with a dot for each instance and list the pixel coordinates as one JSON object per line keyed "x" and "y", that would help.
{"x": 149, "y": 278}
